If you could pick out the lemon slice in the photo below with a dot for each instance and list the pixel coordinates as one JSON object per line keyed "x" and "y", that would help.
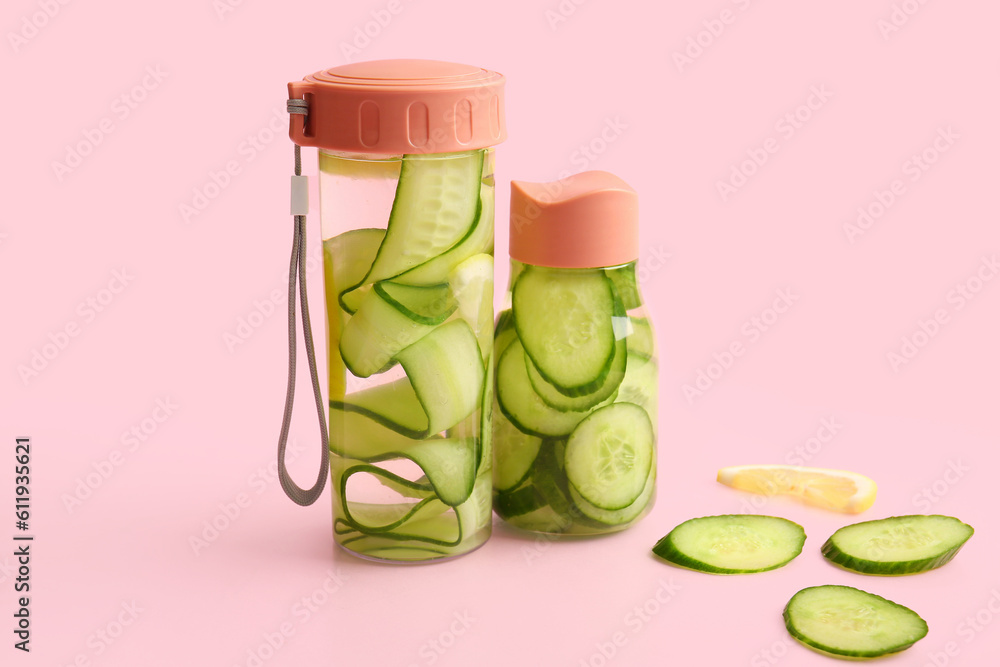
{"x": 838, "y": 490}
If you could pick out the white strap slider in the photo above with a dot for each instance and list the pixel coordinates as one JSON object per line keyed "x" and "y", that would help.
{"x": 300, "y": 195}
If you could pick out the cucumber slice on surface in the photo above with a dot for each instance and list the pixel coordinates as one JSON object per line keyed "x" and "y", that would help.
{"x": 847, "y": 622}
{"x": 897, "y": 545}
{"x": 436, "y": 201}
{"x": 609, "y": 454}
{"x": 521, "y": 405}
{"x": 564, "y": 320}
{"x": 732, "y": 543}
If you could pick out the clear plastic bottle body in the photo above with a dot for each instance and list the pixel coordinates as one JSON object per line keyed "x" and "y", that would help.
{"x": 547, "y": 447}
{"x": 401, "y": 492}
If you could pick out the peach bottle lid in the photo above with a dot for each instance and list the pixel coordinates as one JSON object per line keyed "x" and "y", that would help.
{"x": 587, "y": 220}
{"x": 392, "y": 107}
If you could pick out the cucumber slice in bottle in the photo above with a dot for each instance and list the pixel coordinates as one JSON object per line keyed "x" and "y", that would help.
{"x": 621, "y": 517}
{"x": 549, "y": 479}
{"x": 447, "y": 373}
{"x": 471, "y": 284}
{"x": 898, "y": 545}
{"x": 521, "y": 405}
{"x": 640, "y": 385}
{"x": 609, "y": 455}
{"x": 436, "y": 202}
{"x": 449, "y": 464}
{"x": 640, "y": 339}
{"x": 517, "y": 502}
{"x": 377, "y": 332}
{"x": 556, "y": 399}
{"x": 732, "y": 543}
{"x": 564, "y": 320}
{"x": 393, "y": 405}
{"x": 347, "y": 258}
{"x": 846, "y": 622}
{"x": 478, "y": 240}
{"x": 504, "y": 333}
{"x": 515, "y": 454}
{"x": 624, "y": 281}
{"x": 431, "y": 304}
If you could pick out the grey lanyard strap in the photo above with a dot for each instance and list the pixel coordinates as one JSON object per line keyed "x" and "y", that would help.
{"x": 297, "y": 269}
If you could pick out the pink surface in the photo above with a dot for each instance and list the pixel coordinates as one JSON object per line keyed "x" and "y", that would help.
{"x": 143, "y": 249}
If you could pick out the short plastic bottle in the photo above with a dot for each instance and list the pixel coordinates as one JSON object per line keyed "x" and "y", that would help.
{"x": 575, "y": 363}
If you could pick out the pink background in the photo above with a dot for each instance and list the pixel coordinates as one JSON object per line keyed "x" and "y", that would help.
{"x": 605, "y": 77}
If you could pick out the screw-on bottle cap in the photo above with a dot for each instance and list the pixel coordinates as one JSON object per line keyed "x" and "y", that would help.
{"x": 392, "y": 107}
{"x": 587, "y": 220}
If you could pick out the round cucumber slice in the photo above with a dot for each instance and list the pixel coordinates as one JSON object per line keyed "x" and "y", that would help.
{"x": 521, "y": 405}
{"x": 620, "y": 517}
{"x": 555, "y": 398}
{"x": 609, "y": 454}
{"x": 897, "y": 545}
{"x": 847, "y": 622}
{"x": 564, "y": 320}
{"x": 732, "y": 543}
